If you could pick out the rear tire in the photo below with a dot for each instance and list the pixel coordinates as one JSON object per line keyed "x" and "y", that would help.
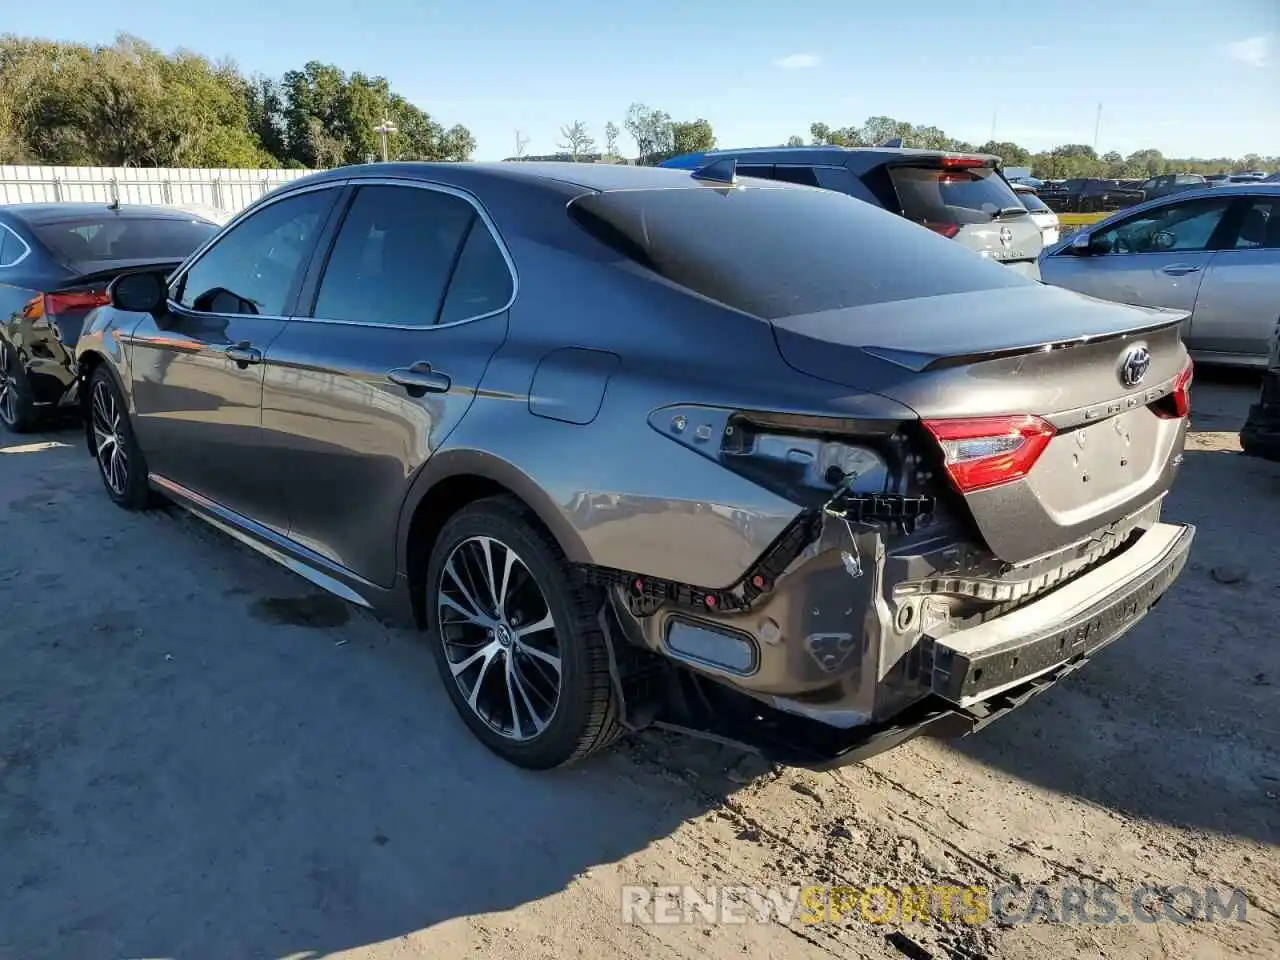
{"x": 120, "y": 461}
{"x": 17, "y": 403}
{"x": 537, "y": 696}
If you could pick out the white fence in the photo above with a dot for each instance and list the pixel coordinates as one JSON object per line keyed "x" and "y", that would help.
{"x": 229, "y": 190}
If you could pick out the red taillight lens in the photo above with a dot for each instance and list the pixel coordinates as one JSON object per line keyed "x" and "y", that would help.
{"x": 56, "y": 303}
{"x": 948, "y": 230}
{"x": 988, "y": 451}
{"x": 1180, "y": 398}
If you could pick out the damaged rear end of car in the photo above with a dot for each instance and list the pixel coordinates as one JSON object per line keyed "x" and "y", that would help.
{"x": 989, "y": 534}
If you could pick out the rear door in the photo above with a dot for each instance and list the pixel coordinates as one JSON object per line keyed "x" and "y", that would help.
{"x": 197, "y": 368}
{"x": 1156, "y": 258}
{"x": 396, "y": 329}
{"x": 1239, "y": 298}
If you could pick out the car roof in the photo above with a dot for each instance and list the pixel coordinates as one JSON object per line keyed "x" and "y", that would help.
{"x": 588, "y": 176}
{"x": 840, "y": 156}
{"x": 37, "y": 213}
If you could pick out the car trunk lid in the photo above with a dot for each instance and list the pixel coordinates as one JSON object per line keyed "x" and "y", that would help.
{"x": 978, "y": 367}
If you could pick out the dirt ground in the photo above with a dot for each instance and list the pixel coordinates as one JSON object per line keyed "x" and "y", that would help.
{"x": 199, "y": 757}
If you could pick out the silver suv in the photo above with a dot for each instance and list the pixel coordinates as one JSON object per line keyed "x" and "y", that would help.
{"x": 962, "y": 196}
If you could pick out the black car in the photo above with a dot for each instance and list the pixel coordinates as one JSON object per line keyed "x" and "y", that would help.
{"x": 1089, "y": 195}
{"x": 55, "y": 262}
{"x": 1260, "y": 436}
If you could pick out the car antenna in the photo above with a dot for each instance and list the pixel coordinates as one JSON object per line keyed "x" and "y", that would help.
{"x": 723, "y": 170}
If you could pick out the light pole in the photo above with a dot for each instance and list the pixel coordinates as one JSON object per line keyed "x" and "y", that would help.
{"x": 385, "y": 128}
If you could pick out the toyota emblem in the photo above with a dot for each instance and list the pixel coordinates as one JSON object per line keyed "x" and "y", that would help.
{"x": 1134, "y": 365}
{"x": 1006, "y": 236}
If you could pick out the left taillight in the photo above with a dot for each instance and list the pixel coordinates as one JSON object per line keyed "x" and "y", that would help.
{"x": 988, "y": 451}
{"x": 1178, "y": 404}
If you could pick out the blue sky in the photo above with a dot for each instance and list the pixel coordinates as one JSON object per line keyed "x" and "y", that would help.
{"x": 1189, "y": 77}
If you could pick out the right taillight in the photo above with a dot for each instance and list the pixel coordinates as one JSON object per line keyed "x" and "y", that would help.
{"x": 987, "y": 451}
{"x": 1178, "y": 404}
{"x": 948, "y": 230}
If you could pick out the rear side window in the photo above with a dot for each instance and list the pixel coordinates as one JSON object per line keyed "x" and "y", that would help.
{"x": 777, "y": 252}
{"x": 393, "y": 256}
{"x": 481, "y": 281}
{"x": 12, "y": 247}
{"x": 971, "y": 195}
{"x": 122, "y": 238}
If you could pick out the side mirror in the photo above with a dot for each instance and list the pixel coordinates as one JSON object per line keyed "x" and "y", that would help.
{"x": 138, "y": 292}
{"x": 1080, "y": 243}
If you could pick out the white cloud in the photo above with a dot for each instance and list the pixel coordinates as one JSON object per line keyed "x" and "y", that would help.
{"x": 798, "y": 61}
{"x": 1253, "y": 51}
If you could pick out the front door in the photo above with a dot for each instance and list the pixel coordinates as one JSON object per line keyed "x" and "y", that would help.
{"x": 397, "y": 330}
{"x": 1156, "y": 258}
{"x": 197, "y": 369}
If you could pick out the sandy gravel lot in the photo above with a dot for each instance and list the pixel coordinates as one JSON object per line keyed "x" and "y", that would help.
{"x": 199, "y": 757}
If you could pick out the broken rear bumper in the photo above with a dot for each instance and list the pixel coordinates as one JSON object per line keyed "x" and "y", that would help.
{"x": 982, "y": 673}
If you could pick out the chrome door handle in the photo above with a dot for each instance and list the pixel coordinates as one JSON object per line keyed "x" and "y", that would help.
{"x": 243, "y": 354}
{"x": 1179, "y": 269}
{"x": 419, "y": 379}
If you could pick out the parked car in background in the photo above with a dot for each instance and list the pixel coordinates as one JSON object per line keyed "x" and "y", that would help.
{"x": 1171, "y": 183}
{"x": 55, "y": 263}
{"x": 1260, "y": 436}
{"x": 1088, "y": 195}
{"x": 1044, "y": 218}
{"x": 963, "y": 197}
{"x": 820, "y": 485}
{"x": 1213, "y": 252}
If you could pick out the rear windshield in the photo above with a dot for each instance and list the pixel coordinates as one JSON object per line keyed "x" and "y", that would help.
{"x": 962, "y": 196}
{"x": 1033, "y": 203}
{"x": 122, "y": 238}
{"x": 778, "y": 252}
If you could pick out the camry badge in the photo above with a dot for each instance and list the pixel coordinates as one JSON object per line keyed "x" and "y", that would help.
{"x": 1134, "y": 365}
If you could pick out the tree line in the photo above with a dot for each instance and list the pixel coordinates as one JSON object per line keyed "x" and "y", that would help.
{"x": 130, "y": 104}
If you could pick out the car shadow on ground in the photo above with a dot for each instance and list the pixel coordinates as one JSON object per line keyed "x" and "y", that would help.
{"x": 1179, "y": 721}
{"x": 200, "y": 756}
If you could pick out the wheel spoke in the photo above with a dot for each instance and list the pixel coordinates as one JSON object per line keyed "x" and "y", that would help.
{"x": 514, "y": 679}
{"x": 516, "y": 728}
{"x": 486, "y": 653}
{"x": 485, "y": 664}
{"x": 549, "y": 659}
{"x": 476, "y": 614}
{"x": 507, "y": 564}
{"x": 486, "y": 549}
{"x": 546, "y": 623}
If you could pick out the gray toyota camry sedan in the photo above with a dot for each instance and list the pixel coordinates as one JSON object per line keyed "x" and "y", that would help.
{"x": 637, "y": 446}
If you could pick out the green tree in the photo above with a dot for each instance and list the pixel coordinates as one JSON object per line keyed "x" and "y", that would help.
{"x": 611, "y": 139}
{"x": 1010, "y": 154}
{"x": 577, "y": 139}
{"x": 695, "y": 136}
{"x": 795, "y": 141}
{"x": 652, "y": 131}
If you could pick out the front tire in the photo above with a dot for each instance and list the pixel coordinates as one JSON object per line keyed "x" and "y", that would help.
{"x": 120, "y": 462}
{"x": 17, "y": 403}
{"x": 516, "y": 638}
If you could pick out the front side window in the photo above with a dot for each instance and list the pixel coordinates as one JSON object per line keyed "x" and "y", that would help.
{"x": 255, "y": 266}
{"x": 394, "y": 255}
{"x": 801, "y": 175}
{"x": 1177, "y": 227}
